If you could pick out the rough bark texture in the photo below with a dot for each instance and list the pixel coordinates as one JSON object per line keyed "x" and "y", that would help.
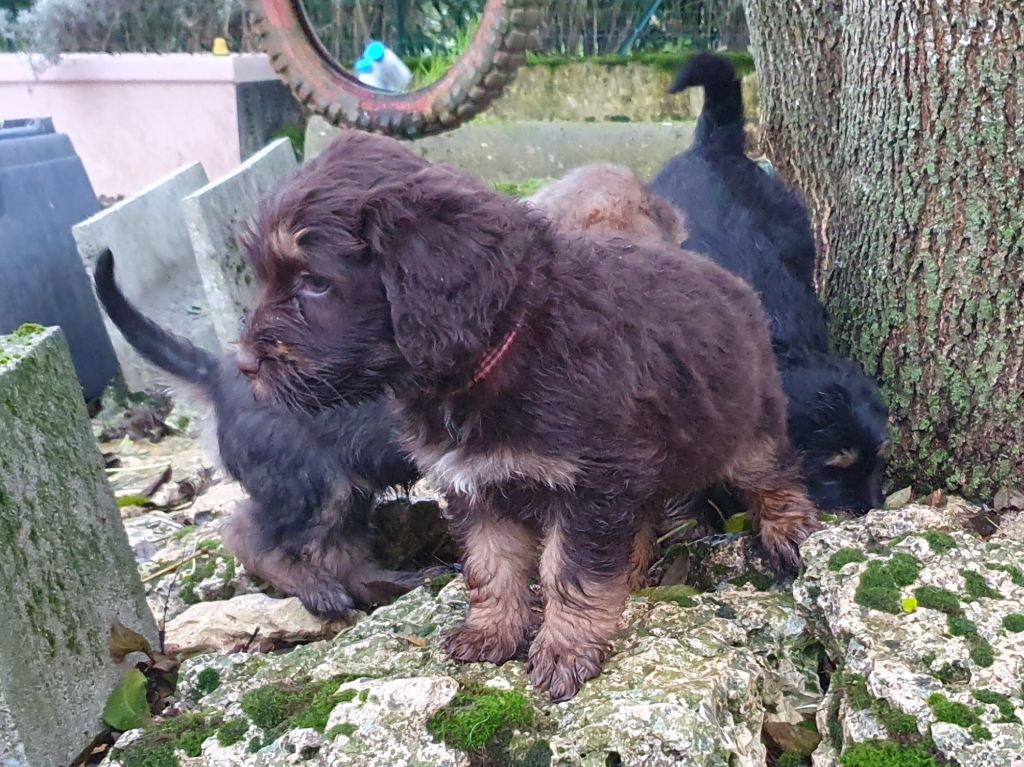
{"x": 902, "y": 122}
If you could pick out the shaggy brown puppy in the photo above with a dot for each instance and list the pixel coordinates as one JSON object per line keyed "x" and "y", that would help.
{"x": 559, "y": 388}
{"x": 608, "y": 198}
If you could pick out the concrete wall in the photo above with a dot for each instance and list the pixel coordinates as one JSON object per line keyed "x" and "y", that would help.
{"x": 134, "y": 118}
{"x": 600, "y": 92}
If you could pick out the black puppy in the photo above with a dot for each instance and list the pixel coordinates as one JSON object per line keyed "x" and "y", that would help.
{"x": 312, "y": 479}
{"x": 750, "y": 223}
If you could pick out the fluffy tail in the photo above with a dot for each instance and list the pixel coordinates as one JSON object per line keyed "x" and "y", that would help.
{"x": 722, "y": 115}
{"x": 174, "y": 354}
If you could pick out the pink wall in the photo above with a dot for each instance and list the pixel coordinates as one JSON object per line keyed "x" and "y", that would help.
{"x": 134, "y": 118}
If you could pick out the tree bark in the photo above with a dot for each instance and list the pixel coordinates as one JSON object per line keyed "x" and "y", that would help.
{"x": 902, "y": 123}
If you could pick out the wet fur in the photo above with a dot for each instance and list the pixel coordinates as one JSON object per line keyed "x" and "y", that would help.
{"x": 750, "y": 223}
{"x": 631, "y": 373}
{"x": 312, "y": 479}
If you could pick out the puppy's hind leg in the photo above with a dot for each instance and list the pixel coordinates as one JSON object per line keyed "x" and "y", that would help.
{"x": 642, "y": 556}
{"x": 585, "y": 586}
{"x": 769, "y": 481}
{"x": 499, "y": 555}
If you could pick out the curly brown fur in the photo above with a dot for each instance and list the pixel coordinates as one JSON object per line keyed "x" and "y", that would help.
{"x": 630, "y": 374}
{"x": 608, "y": 198}
{"x": 312, "y": 478}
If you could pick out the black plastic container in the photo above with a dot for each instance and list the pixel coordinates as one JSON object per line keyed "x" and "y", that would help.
{"x": 44, "y": 190}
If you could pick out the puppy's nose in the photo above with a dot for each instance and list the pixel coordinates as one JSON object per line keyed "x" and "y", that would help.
{"x": 247, "y": 362}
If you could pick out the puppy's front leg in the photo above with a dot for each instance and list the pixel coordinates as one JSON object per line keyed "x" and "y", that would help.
{"x": 585, "y": 587}
{"x": 499, "y": 555}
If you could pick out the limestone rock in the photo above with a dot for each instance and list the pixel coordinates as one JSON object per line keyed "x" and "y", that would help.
{"x": 685, "y": 685}
{"x": 229, "y": 624}
{"x": 926, "y": 622}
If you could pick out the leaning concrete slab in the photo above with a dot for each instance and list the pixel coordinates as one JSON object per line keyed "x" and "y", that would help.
{"x": 66, "y": 572}
{"x": 216, "y": 215}
{"x": 516, "y": 151}
{"x": 155, "y": 266}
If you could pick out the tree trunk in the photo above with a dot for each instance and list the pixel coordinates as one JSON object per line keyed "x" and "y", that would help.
{"x": 902, "y": 123}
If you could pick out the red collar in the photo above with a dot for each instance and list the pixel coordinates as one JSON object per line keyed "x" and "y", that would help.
{"x": 493, "y": 358}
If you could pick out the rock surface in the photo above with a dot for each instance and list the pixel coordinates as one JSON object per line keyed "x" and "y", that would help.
{"x": 251, "y": 619}
{"x": 66, "y": 569}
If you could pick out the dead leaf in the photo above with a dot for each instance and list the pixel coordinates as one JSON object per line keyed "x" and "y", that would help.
{"x": 1009, "y": 498}
{"x": 900, "y": 498}
{"x": 414, "y": 641}
{"x": 124, "y": 641}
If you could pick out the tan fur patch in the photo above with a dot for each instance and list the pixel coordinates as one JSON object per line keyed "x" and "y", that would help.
{"x": 466, "y": 474}
{"x": 500, "y": 556}
{"x": 645, "y": 549}
{"x": 844, "y": 459}
{"x": 284, "y": 243}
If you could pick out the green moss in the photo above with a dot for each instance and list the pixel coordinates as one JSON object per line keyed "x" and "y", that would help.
{"x": 681, "y": 595}
{"x": 980, "y": 732}
{"x": 1015, "y": 573}
{"x": 844, "y": 557}
{"x": 959, "y": 626}
{"x": 345, "y": 728}
{"x": 886, "y": 754}
{"x": 946, "y": 710}
{"x": 977, "y": 588}
{"x": 953, "y": 673}
{"x": 880, "y": 583}
{"x": 232, "y": 732}
{"x": 157, "y": 744}
{"x": 792, "y": 759}
{"x": 1007, "y": 713}
{"x": 278, "y": 708}
{"x": 438, "y": 582}
{"x": 520, "y": 188}
{"x": 28, "y": 330}
{"x": 1014, "y": 623}
{"x": 981, "y": 651}
{"x": 208, "y": 680}
{"x": 760, "y": 581}
{"x": 935, "y": 598}
{"x": 939, "y": 541}
{"x": 478, "y": 715}
{"x": 897, "y": 724}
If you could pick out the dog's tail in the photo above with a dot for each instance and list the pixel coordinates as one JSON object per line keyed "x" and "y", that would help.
{"x": 722, "y": 115}
{"x": 173, "y": 354}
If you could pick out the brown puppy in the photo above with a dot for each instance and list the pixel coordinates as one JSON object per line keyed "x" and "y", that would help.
{"x": 608, "y": 198}
{"x": 559, "y": 388}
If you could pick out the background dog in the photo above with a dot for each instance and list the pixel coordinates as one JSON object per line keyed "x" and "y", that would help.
{"x": 750, "y": 223}
{"x": 312, "y": 479}
{"x": 558, "y": 387}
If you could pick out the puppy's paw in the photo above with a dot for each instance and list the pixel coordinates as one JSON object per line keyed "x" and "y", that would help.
{"x": 781, "y": 536}
{"x": 329, "y": 600}
{"x": 561, "y": 670}
{"x": 473, "y": 644}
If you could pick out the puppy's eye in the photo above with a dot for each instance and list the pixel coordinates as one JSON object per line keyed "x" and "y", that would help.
{"x": 312, "y": 285}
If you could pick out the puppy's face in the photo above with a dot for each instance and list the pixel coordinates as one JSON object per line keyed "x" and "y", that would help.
{"x": 379, "y": 271}
{"x": 321, "y": 333}
{"x": 839, "y": 424}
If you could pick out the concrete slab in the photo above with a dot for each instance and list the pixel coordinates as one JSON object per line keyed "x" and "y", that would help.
{"x": 516, "y": 151}
{"x": 67, "y": 572}
{"x": 155, "y": 267}
{"x": 216, "y": 215}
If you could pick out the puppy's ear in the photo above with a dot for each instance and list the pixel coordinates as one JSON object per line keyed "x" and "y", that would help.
{"x": 668, "y": 218}
{"x": 450, "y": 253}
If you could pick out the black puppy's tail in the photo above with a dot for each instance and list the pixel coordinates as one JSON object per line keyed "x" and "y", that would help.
{"x": 722, "y": 115}
{"x": 174, "y": 354}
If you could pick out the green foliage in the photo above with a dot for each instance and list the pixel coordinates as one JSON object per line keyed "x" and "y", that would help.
{"x": 157, "y": 744}
{"x": 977, "y": 588}
{"x": 296, "y": 134}
{"x": 478, "y": 715}
{"x": 897, "y": 724}
{"x": 520, "y": 188}
{"x": 1007, "y": 712}
{"x": 1014, "y": 623}
{"x": 438, "y": 582}
{"x": 938, "y": 541}
{"x": 790, "y": 759}
{"x": 126, "y": 707}
{"x": 844, "y": 557}
{"x": 680, "y": 594}
{"x": 946, "y": 710}
{"x": 232, "y": 732}
{"x": 345, "y": 728}
{"x": 886, "y": 754}
{"x": 278, "y": 708}
{"x": 953, "y": 673}
{"x": 980, "y": 732}
{"x": 880, "y": 583}
{"x": 935, "y": 598}
{"x": 208, "y": 680}
{"x": 1015, "y": 573}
